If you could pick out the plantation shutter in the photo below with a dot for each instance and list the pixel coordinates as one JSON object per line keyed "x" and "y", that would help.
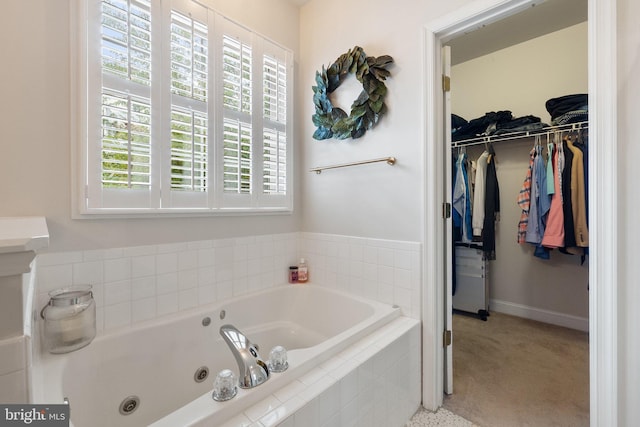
{"x": 274, "y": 171}
{"x": 121, "y": 122}
{"x": 238, "y": 130}
{"x": 180, "y": 110}
{"x": 186, "y": 167}
{"x": 276, "y": 99}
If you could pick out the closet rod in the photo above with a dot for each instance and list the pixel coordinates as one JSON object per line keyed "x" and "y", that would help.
{"x": 389, "y": 160}
{"x": 517, "y": 135}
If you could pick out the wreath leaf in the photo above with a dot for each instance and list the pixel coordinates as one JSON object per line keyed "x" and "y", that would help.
{"x": 384, "y": 60}
{"x": 358, "y": 112}
{"x": 364, "y": 97}
{"x": 366, "y": 110}
{"x": 322, "y": 133}
{"x": 376, "y": 106}
{"x": 380, "y": 73}
{"x": 338, "y": 114}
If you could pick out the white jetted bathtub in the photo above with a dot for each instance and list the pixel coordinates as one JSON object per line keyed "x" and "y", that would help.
{"x": 156, "y": 362}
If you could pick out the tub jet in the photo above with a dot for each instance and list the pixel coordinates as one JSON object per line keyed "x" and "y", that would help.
{"x": 201, "y": 374}
{"x": 129, "y": 405}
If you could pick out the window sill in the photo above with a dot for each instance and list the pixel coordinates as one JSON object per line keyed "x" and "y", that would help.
{"x": 178, "y": 213}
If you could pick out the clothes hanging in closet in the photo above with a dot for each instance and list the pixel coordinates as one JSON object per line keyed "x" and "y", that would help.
{"x": 491, "y": 207}
{"x": 574, "y": 193}
{"x": 479, "y": 194}
{"x": 578, "y": 196}
{"x": 476, "y": 200}
{"x": 540, "y": 204}
{"x": 554, "y": 231}
{"x": 462, "y": 199}
{"x": 567, "y": 200}
{"x": 555, "y": 216}
{"x": 524, "y": 199}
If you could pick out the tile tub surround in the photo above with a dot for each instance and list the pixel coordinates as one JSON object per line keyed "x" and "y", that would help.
{"x": 374, "y": 383}
{"x": 13, "y": 369}
{"x": 387, "y": 271}
{"x": 135, "y": 284}
{"x": 140, "y": 283}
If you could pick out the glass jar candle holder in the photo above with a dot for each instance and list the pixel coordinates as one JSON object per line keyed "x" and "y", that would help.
{"x": 69, "y": 319}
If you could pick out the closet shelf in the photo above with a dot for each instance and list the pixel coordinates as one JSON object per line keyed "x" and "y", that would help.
{"x": 516, "y": 135}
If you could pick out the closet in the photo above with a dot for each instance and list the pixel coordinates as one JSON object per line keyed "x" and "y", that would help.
{"x": 520, "y": 79}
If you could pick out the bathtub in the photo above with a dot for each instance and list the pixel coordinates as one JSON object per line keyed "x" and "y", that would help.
{"x": 158, "y": 361}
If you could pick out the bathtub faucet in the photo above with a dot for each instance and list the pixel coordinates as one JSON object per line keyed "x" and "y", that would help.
{"x": 252, "y": 370}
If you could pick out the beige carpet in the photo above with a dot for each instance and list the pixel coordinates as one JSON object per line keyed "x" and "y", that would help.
{"x": 513, "y": 372}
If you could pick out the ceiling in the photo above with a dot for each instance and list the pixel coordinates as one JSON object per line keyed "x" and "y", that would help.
{"x": 543, "y": 18}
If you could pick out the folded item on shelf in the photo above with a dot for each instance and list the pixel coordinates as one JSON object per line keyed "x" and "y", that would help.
{"x": 573, "y": 116}
{"x": 493, "y": 123}
{"x": 530, "y": 127}
{"x": 563, "y": 104}
{"x": 480, "y": 125}
{"x": 457, "y": 121}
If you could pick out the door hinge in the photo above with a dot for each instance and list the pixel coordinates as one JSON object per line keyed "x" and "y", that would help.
{"x": 446, "y": 210}
{"x": 446, "y": 338}
{"x": 446, "y": 83}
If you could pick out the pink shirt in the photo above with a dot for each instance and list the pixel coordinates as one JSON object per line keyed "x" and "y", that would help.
{"x": 554, "y": 232}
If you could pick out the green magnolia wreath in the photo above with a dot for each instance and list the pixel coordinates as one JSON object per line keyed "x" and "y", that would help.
{"x": 366, "y": 110}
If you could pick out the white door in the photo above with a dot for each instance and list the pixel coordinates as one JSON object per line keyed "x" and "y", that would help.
{"x": 448, "y": 235}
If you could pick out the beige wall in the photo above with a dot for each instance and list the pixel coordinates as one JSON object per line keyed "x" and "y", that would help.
{"x": 521, "y": 79}
{"x": 374, "y": 200}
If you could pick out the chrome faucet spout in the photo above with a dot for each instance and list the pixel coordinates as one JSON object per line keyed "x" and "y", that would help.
{"x": 252, "y": 370}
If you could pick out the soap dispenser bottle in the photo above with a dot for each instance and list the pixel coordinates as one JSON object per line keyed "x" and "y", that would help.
{"x": 303, "y": 272}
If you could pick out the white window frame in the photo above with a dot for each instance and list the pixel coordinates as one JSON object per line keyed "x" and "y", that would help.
{"x": 91, "y": 200}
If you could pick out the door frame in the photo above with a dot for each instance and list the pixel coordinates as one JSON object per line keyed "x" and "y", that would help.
{"x": 603, "y": 225}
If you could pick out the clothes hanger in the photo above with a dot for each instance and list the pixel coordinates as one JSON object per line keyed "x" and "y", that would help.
{"x": 491, "y": 151}
{"x": 550, "y": 146}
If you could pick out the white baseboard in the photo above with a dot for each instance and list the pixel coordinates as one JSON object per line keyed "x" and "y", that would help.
{"x": 541, "y": 315}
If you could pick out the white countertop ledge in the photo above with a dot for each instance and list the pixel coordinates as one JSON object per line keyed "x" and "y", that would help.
{"x": 23, "y": 234}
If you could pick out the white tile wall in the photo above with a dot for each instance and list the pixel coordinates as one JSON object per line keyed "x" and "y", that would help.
{"x": 385, "y": 270}
{"x": 139, "y": 283}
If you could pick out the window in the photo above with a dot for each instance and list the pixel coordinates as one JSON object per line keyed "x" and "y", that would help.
{"x": 182, "y": 110}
